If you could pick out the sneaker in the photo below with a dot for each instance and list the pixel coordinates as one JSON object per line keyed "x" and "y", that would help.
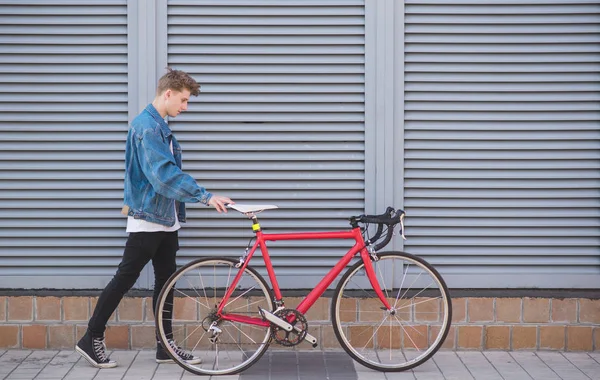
{"x": 163, "y": 357}
{"x": 94, "y": 351}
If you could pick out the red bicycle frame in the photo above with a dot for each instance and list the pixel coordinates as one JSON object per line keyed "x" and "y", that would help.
{"x": 312, "y": 297}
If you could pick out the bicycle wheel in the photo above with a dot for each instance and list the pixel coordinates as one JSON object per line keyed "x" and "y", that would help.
{"x": 408, "y": 334}
{"x": 198, "y": 288}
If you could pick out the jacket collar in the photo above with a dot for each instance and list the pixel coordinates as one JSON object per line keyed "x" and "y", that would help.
{"x": 156, "y": 116}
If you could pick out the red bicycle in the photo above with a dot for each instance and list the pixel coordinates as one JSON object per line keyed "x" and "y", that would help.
{"x": 390, "y": 311}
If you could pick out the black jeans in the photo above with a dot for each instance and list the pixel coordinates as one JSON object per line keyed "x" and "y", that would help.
{"x": 141, "y": 247}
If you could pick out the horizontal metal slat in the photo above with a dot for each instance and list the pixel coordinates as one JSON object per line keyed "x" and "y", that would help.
{"x": 478, "y": 202}
{"x": 50, "y": 40}
{"x": 503, "y": 183}
{"x": 516, "y": 87}
{"x": 192, "y": 49}
{"x": 65, "y": 20}
{"x": 534, "y": 164}
{"x": 506, "y": 106}
{"x": 190, "y": 61}
{"x": 267, "y": 3}
{"x": 506, "y": 19}
{"x": 546, "y": 38}
{"x": 504, "y": 154}
{"x": 266, "y": 20}
{"x": 501, "y": 58}
{"x": 502, "y": 77}
{"x": 509, "y": 29}
{"x": 272, "y": 117}
{"x": 493, "y": 68}
{"x": 251, "y": 107}
{"x": 276, "y": 9}
{"x": 540, "y": 232}
{"x": 512, "y": 135}
{"x": 252, "y": 40}
{"x": 523, "y": 9}
{"x": 63, "y": 7}
{"x": 500, "y": 97}
{"x": 532, "y": 48}
{"x": 556, "y": 125}
{"x": 264, "y": 68}
{"x": 492, "y": 221}
{"x": 262, "y": 30}
{"x": 505, "y": 116}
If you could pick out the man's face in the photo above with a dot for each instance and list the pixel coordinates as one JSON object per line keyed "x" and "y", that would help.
{"x": 176, "y": 101}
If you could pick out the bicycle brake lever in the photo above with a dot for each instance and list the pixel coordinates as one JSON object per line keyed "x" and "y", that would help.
{"x": 402, "y": 226}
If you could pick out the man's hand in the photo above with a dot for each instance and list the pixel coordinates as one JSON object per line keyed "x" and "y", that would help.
{"x": 219, "y": 202}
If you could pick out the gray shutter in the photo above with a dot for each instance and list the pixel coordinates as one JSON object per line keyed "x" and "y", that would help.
{"x": 63, "y": 120}
{"x": 280, "y": 120}
{"x": 502, "y": 128}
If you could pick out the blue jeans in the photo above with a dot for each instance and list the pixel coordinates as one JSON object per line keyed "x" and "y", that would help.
{"x": 141, "y": 247}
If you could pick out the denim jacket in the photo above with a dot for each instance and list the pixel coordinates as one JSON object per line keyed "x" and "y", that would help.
{"x": 153, "y": 175}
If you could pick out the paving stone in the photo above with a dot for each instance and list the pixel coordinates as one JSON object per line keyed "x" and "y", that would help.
{"x": 450, "y": 365}
{"x": 508, "y": 367}
{"x": 309, "y": 365}
{"x": 479, "y": 366}
{"x": 561, "y": 366}
{"x": 534, "y": 366}
{"x": 582, "y": 361}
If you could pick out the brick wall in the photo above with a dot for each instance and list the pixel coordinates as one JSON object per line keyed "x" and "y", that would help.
{"x": 572, "y": 324}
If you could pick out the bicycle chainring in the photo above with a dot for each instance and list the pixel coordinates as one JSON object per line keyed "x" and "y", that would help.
{"x": 294, "y": 337}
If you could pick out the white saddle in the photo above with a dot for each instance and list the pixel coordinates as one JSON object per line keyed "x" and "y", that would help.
{"x": 245, "y": 208}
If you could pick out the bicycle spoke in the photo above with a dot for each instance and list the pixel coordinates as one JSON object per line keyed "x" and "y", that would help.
{"x": 241, "y": 295}
{"x": 418, "y": 303}
{"x": 192, "y": 298}
{"x": 383, "y": 281}
{"x": 237, "y": 344}
{"x": 402, "y": 283}
{"x": 379, "y": 340}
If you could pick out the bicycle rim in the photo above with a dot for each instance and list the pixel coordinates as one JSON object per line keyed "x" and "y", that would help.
{"x": 198, "y": 289}
{"x": 408, "y": 334}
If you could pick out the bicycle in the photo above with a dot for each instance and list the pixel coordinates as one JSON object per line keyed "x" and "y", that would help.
{"x": 390, "y": 311}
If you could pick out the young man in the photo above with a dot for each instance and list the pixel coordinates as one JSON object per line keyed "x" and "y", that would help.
{"x": 155, "y": 192}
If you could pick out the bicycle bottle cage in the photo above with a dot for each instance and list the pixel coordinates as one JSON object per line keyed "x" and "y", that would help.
{"x": 390, "y": 218}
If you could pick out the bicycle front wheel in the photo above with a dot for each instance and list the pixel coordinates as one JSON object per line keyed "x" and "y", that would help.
{"x": 408, "y": 334}
{"x": 196, "y": 290}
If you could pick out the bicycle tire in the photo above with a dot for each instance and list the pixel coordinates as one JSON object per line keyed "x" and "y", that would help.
{"x": 188, "y": 269}
{"x": 344, "y": 330}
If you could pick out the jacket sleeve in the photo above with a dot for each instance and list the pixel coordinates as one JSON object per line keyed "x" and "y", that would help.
{"x": 164, "y": 175}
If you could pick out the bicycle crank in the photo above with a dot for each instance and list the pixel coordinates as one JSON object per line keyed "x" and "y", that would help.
{"x": 285, "y": 325}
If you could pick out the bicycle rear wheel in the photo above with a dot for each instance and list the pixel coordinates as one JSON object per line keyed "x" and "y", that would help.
{"x": 408, "y": 334}
{"x": 198, "y": 288}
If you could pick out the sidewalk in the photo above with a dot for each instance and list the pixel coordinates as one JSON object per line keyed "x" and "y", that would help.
{"x": 311, "y": 365}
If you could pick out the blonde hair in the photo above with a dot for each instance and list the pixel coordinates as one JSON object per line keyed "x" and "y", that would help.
{"x": 177, "y": 80}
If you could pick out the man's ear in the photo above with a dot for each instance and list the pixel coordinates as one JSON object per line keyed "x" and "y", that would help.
{"x": 168, "y": 93}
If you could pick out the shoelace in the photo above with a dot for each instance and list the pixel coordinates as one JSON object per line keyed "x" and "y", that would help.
{"x": 100, "y": 350}
{"x": 180, "y": 352}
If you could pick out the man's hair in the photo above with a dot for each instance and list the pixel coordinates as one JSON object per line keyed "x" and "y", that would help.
{"x": 177, "y": 80}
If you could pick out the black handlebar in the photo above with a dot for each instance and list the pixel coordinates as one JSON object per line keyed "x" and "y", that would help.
{"x": 389, "y": 218}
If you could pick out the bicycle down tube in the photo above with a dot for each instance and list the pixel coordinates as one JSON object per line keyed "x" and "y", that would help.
{"x": 311, "y": 298}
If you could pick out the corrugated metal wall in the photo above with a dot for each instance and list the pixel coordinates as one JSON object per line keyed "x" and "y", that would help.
{"x": 280, "y": 120}
{"x": 502, "y": 141}
{"x": 495, "y": 127}
{"x": 63, "y": 118}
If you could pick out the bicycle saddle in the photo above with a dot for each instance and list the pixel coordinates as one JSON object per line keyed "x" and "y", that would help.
{"x": 246, "y": 208}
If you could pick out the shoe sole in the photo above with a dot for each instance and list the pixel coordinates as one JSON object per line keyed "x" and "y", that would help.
{"x": 171, "y": 361}
{"x": 92, "y": 362}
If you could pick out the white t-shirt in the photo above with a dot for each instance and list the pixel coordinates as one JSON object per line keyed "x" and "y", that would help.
{"x": 140, "y": 225}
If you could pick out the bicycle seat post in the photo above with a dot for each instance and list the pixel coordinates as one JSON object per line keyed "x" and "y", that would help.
{"x": 255, "y": 225}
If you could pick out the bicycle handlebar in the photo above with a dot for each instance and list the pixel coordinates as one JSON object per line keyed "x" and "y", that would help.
{"x": 389, "y": 218}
